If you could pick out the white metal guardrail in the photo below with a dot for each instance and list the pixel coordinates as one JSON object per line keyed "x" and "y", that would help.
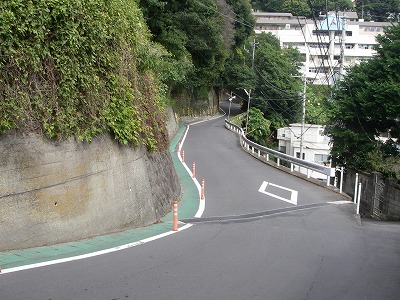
{"x": 266, "y": 152}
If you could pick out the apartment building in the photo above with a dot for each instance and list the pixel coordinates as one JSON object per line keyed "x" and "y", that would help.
{"x": 323, "y": 42}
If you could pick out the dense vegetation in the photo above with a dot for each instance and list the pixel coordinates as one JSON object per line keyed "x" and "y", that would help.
{"x": 277, "y": 90}
{"x": 302, "y": 7}
{"x": 379, "y": 10}
{"x": 376, "y": 10}
{"x": 85, "y": 68}
{"x": 367, "y": 105}
{"x": 79, "y": 68}
{"x": 200, "y": 36}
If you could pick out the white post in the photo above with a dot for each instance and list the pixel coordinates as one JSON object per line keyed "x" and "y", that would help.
{"x": 278, "y": 161}
{"x": 328, "y": 178}
{"x": 303, "y": 116}
{"x": 259, "y": 153}
{"x": 355, "y": 189}
{"x": 341, "y": 179}
{"x": 267, "y": 156}
{"x": 358, "y": 198}
{"x": 291, "y": 167}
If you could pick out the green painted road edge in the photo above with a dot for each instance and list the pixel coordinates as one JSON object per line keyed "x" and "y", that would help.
{"x": 188, "y": 206}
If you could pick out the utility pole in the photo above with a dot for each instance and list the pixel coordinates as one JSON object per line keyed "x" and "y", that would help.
{"x": 249, "y": 92}
{"x": 254, "y": 51}
{"x": 303, "y": 113}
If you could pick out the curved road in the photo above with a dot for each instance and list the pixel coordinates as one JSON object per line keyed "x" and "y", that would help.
{"x": 303, "y": 252}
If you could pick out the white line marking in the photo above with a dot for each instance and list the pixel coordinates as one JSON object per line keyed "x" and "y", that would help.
{"x": 97, "y": 253}
{"x": 341, "y": 202}
{"x": 293, "y": 194}
{"x": 202, "y": 203}
{"x": 129, "y": 245}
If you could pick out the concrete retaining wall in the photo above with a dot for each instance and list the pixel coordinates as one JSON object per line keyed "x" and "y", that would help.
{"x": 380, "y": 198}
{"x": 53, "y": 192}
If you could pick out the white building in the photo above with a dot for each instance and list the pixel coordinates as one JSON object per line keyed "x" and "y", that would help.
{"x": 315, "y": 144}
{"x": 321, "y": 42}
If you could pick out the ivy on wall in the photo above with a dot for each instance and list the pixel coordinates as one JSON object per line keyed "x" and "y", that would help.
{"x": 79, "y": 68}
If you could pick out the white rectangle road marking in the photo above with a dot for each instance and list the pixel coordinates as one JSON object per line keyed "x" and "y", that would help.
{"x": 293, "y": 193}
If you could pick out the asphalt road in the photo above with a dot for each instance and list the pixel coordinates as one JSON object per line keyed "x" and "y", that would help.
{"x": 302, "y": 252}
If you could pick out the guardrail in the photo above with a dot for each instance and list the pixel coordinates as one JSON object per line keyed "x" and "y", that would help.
{"x": 266, "y": 152}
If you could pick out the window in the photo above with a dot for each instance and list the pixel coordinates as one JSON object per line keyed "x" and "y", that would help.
{"x": 282, "y": 149}
{"x": 322, "y": 159}
{"x": 364, "y": 46}
{"x": 298, "y": 155}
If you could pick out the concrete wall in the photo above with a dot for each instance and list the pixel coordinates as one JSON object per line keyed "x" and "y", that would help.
{"x": 53, "y": 192}
{"x": 171, "y": 123}
{"x": 380, "y": 198}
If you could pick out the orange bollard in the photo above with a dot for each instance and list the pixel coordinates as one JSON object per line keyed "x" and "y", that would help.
{"x": 183, "y": 155}
{"x": 202, "y": 189}
{"x": 194, "y": 170}
{"x": 175, "y": 225}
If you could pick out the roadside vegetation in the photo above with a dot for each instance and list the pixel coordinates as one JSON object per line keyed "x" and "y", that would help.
{"x": 369, "y": 10}
{"x": 367, "y": 105}
{"x": 73, "y": 68}
{"x": 87, "y": 68}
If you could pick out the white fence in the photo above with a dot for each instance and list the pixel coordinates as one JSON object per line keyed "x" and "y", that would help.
{"x": 266, "y": 152}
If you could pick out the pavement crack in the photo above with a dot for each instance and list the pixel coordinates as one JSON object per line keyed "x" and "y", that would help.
{"x": 315, "y": 278}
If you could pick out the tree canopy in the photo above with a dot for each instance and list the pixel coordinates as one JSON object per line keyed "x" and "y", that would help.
{"x": 302, "y": 7}
{"x": 277, "y": 90}
{"x": 84, "y": 68}
{"x": 199, "y": 34}
{"x": 378, "y": 10}
{"x": 367, "y": 105}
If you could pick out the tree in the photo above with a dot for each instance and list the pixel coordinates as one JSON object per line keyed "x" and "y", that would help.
{"x": 192, "y": 32}
{"x": 317, "y": 104}
{"x": 243, "y": 20}
{"x": 258, "y": 128}
{"x": 296, "y": 7}
{"x": 277, "y": 91}
{"x": 303, "y": 7}
{"x": 378, "y": 10}
{"x": 367, "y": 105}
{"x": 267, "y": 5}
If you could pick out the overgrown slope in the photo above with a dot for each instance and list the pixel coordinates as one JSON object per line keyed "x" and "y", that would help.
{"x": 79, "y": 68}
